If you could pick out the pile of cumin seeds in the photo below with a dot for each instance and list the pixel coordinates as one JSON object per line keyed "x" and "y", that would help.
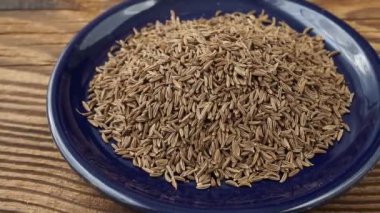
{"x": 237, "y": 98}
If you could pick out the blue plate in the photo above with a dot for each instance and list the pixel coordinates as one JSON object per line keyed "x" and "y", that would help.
{"x": 333, "y": 173}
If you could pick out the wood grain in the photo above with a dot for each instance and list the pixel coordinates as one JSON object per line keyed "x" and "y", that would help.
{"x": 33, "y": 175}
{"x": 36, "y": 5}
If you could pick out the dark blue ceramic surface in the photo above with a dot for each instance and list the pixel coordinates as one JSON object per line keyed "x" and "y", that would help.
{"x": 333, "y": 173}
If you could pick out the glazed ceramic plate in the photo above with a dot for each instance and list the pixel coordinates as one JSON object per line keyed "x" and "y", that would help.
{"x": 334, "y": 172}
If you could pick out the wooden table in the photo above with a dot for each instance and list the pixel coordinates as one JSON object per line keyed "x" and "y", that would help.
{"x": 33, "y": 175}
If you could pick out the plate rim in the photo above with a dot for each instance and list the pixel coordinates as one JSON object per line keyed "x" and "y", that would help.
{"x": 141, "y": 202}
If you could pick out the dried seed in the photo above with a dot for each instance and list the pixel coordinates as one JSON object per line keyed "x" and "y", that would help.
{"x": 231, "y": 183}
{"x": 238, "y": 98}
{"x": 203, "y": 186}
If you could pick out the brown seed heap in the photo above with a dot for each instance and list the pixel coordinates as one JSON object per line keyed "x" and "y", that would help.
{"x": 236, "y": 98}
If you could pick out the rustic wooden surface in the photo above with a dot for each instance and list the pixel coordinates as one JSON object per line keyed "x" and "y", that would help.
{"x": 33, "y": 175}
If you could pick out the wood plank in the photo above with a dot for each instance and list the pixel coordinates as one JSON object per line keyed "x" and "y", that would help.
{"x": 351, "y": 9}
{"x": 37, "y": 5}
